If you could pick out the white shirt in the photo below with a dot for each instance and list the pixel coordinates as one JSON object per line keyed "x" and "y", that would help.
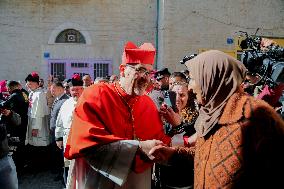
{"x": 64, "y": 120}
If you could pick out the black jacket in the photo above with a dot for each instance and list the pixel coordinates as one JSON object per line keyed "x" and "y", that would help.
{"x": 13, "y": 119}
{"x": 18, "y": 102}
{"x": 55, "y": 110}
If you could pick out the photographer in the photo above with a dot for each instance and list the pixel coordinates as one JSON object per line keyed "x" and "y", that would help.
{"x": 8, "y": 174}
{"x": 264, "y": 60}
{"x": 18, "y": 102}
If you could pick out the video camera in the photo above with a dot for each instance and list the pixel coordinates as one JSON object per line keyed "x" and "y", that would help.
{"x": 267, "y": 63}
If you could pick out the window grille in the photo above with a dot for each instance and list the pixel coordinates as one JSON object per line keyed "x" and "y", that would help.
{"x": 70, "y": 36}
{"x": 65, "y": 68}
{"x": 58, "y": 70}
{"x": 101, "y": 70}
{"x": 79, "y": 65}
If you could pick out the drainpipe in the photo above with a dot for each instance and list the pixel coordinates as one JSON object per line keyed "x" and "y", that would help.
{"x": 159, "y": 33}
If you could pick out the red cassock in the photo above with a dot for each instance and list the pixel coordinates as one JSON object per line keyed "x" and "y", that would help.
{"x": 106, "y": 114}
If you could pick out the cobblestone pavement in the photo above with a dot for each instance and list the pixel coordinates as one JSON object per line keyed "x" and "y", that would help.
{"x": 40, "y": 180}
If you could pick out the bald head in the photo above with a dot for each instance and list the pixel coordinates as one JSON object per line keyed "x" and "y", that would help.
{"x": 87, "y": 80}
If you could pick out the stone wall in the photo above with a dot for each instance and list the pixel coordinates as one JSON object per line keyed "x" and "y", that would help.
{"x": 185, "y": 26}
{"x": 192, "y": 25}
{"x": 27, "y": 25}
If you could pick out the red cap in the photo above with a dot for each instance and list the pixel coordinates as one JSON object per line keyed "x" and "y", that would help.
{"x": 76, "y": 77}
{"x": 145, "y": 54}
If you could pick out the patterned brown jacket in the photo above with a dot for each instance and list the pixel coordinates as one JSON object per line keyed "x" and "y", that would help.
{"x": 245, "y": 150}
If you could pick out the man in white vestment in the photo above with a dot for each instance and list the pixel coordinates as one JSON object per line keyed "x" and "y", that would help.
{"x": 65, "y": 115}
{"x": 38, "y": 128}
{"x": 38, "y": 133}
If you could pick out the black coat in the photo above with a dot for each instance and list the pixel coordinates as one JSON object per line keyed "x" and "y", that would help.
{"x": 6, "y": 122}
{"x": 18, "y": 102}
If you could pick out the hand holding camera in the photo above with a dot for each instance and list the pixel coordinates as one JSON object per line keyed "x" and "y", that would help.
{"x": 5, "y": 112}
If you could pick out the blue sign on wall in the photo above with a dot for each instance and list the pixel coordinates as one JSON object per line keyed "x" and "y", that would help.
{"x": 230, "y": 40}
{"x": 46, "y": 54}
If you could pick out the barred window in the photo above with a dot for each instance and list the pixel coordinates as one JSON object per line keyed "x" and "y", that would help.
{"x": 79, "y": 65}
{"x": 101, "y": 69}
{"x": 70, "y": 36}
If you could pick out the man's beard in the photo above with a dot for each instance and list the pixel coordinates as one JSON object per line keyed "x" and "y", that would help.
{"x": 140, "y": 86}
{"x": 75, "y": 98}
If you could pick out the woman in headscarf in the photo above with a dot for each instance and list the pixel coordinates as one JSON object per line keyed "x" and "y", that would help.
{"x": 240, "y": 139}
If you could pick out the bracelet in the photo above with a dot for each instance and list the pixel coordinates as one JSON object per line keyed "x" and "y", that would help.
{"x": 178, "y": 129}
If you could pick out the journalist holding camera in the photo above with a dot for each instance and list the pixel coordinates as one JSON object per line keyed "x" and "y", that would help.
{"x": 264, "y": 60}
{"x": 8, "y": 174}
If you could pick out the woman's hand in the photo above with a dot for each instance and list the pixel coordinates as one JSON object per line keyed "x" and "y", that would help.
{"x": 171, "y": 117}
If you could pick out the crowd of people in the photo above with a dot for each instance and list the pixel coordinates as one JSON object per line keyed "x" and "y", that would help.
{"x": 146, "y": 128}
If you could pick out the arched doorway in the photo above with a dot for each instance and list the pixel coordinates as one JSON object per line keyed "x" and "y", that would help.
{"x": 70, "y": 39}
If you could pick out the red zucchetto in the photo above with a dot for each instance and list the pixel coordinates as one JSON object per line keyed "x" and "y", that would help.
{"x": 34, "y": 77}
{"x": 75, "y": 81}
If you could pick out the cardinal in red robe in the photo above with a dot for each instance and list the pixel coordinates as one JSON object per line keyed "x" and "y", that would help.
{"x": 115, "y": 125}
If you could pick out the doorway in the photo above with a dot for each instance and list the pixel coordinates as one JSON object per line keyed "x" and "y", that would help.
{"x": 66, "y": 68}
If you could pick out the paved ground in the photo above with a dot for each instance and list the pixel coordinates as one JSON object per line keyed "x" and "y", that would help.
{"x": 38, "y": 175}
{"x": 40, "y": 180}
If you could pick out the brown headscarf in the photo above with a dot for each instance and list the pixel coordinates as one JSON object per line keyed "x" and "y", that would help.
{"x": 219, "y": 76}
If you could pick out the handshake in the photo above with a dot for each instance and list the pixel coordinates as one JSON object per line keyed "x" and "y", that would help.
{"x": 156, "y": 150}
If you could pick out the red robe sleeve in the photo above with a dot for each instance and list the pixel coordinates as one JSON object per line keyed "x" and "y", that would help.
{"x": 87, "y": 127}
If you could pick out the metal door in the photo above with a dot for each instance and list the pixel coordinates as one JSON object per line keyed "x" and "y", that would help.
{"x": 66, "y": 68}
{"x": 57, "y": 68}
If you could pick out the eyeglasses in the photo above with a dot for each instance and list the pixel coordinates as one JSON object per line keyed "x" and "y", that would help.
{"x": 140, "y": 70}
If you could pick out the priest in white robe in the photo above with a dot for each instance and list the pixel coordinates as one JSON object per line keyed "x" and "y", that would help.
{"x": 38, "y": 133}
{"x": 65, "y": 116}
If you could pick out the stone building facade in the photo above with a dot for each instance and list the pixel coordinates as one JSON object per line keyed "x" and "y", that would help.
{"x": 87, "y": 36}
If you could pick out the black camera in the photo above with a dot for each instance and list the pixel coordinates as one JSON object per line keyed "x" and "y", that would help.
{"x": 267, "y": 63}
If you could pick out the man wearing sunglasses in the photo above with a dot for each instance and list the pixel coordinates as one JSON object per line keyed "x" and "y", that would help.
{"x": 114, "y": 127}
{"x": 162, "y": 77}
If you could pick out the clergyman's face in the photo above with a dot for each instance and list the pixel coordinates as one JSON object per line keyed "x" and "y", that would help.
{"x": 140, "y": 74}
{"x": 87, "y": 80}
{"x": 32, "y": 85}
{"x": 76, "y": 91}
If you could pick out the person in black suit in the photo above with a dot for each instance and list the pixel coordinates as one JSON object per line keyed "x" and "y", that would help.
{"x": 57, "y": 90}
